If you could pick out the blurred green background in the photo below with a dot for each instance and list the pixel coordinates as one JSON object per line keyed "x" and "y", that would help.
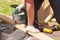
{"x": 5, "y": 6}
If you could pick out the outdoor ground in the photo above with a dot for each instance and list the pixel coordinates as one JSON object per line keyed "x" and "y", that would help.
{"x": 5, "y": 7}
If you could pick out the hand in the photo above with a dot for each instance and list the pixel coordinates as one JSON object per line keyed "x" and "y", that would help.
{"x": 20, "y": 7}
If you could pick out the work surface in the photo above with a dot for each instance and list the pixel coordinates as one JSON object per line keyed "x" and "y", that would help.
{"x": 55, "y": 35}
{"x": 40, "y": 35}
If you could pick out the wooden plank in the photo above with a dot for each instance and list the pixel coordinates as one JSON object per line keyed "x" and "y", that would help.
{"x": 40, "y": 36}
{"x": 6, "y": 19}
{"x": 52, "y": 23}
{"x": 31, "y": 38}
{"x": 55, "y": 35}
{"x": 17, "y": 35}
{"x": 4, "y": 36}
{"x": 41, "y": 12}
{"x": 46, "y": 3}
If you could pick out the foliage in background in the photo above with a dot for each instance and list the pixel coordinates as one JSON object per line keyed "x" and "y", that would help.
{"x": 5, "y": 7}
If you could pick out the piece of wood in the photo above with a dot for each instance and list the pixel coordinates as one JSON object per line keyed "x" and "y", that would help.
{"x": 4, "y": 36}
{"x": 48, "y": 18}
{"x": 40, "y": 12}
{"x": 50, "y": 15}
{"x": 30, "y": 38}
{"x": 6, "y": 19}
{"x": 40, "y": 36}
{"x": 46, "y": 3}
{"x": 43, "y": 11}
{"x": 17, "y": 35}
{"x": 52, "y": 23}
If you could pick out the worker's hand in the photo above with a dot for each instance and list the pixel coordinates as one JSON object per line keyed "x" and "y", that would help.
{"x": 20, "y": 7}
